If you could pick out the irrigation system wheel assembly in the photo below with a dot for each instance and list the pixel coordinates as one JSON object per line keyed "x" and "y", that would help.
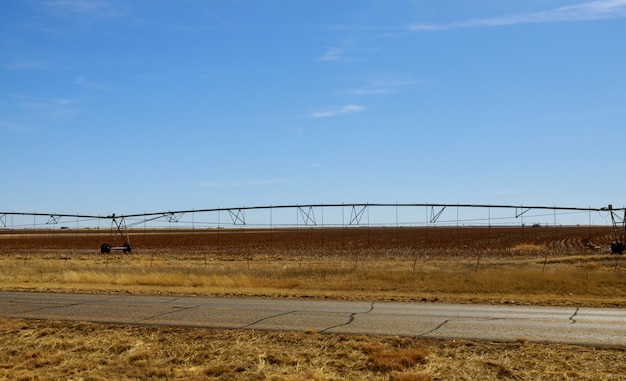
{"x": 106, "y": 248}
{"x": 119, "y": 228}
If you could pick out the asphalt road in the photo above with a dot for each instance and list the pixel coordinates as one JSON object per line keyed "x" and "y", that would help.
{"x": 589, "y": 326}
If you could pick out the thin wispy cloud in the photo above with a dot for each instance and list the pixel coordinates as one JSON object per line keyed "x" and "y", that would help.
{"x": 331, "y": 54}
{"x": 347, "y": 109}
{"x": 341, "y": 50}
{"x": 52, "y": 108}
{"x": 592, "y": 10}
{"x": 89, "y": 84}
{"x": 372, "y": 90}
{"x": 375, "y": 87}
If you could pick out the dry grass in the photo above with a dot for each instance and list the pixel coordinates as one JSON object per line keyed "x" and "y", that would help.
{"x": 533, "y": 266}
{"x": 577, "y": 280}
{"x": 32, "y": 350}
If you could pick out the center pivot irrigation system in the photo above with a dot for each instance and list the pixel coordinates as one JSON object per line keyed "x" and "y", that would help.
{"x": 306, "y": 215}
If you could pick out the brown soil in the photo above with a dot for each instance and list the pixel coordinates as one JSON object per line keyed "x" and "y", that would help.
{"x": 375, "y": 242}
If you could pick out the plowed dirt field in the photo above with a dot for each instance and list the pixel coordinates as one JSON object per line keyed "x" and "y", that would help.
{"x": 246, "y": 243}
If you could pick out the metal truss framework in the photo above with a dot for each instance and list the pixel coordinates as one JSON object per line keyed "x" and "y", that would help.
{"x": 306, "y": 213}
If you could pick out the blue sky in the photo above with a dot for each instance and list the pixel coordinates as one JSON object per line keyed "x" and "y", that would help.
{"x": 144, "y": 106}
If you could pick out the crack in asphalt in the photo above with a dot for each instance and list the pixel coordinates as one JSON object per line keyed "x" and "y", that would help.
{"x": 434, "y": 329}
{"x": 451, "y": 320}
{"x": 266, "y": 318}
{"x": 54, "y": 306}
{"x": 174, "y": 310}
{"x": 350, "y": 319}
{"x": 49, "y": 307}
{"x": 573, "y": 317}
{"x": 169, "y": 300}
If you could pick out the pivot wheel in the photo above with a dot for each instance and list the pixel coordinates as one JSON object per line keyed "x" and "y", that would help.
{"x": 617, "y": 247}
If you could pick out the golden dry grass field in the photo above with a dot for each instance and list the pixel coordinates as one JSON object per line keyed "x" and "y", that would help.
{"x": 520, "y": 265}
